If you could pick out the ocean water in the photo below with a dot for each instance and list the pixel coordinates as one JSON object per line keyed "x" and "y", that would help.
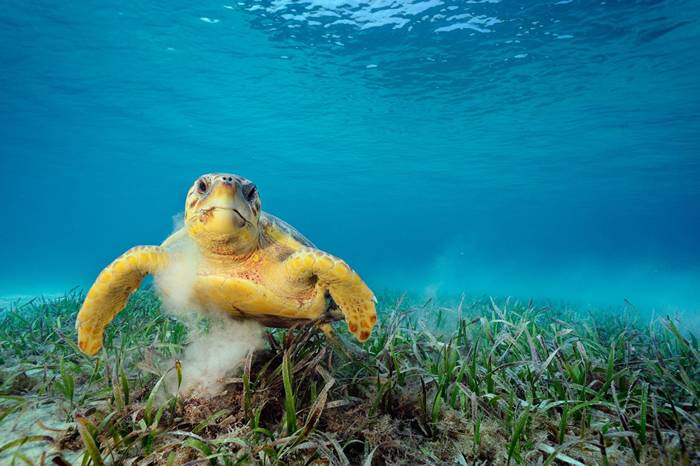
{"x": 537, "y": 149}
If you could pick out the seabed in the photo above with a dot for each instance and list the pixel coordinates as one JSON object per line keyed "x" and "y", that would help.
{"x": 474, "y": 382}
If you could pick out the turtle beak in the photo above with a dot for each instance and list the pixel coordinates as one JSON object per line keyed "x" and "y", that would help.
{"x": 226, "y": 199}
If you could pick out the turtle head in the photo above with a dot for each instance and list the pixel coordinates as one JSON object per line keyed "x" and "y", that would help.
{"x": 222, "y": 213}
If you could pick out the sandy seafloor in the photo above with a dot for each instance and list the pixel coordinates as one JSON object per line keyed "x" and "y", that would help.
{"x": 29, "y": 421}
{"x": 40, "y": 420}
{"x": 49, "y": 419}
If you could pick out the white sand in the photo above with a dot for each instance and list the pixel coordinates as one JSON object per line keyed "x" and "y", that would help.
{"x": 26, "y": 422}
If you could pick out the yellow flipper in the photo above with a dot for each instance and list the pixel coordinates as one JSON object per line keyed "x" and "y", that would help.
{"x": 355, "y": 299}
{"x": 110, "y": 292}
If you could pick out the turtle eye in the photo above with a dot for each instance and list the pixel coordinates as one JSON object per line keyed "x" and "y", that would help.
{"x": 250, "y": 190}
{"x": 202, "y": 186}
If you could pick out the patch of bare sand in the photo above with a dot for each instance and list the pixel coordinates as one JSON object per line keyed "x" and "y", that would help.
{"x": 43, "y": 425}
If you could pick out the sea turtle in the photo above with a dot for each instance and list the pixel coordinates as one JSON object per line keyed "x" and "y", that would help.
{"x": 251, "y": 265}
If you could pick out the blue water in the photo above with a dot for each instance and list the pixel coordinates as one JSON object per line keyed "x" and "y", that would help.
{"x": 526, "y": 148}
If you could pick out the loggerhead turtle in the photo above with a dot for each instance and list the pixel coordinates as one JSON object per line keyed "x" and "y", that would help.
{"x": 252, "y": 266}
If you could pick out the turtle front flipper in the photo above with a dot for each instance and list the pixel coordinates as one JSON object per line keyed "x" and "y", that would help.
{"x": 110, "y": 292}
{"x": 350, "y": 293}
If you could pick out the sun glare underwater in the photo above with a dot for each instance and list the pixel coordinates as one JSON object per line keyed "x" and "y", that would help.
{"x": 533, "y": 149}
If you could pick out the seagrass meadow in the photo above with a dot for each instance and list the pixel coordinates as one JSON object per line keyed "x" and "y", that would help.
{"x": 465, "y": 381}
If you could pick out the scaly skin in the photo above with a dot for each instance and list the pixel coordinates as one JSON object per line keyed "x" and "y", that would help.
{"x": 110, "y": 292}
{"x": 347, "y": 289}
{"x": 253, "y": 266}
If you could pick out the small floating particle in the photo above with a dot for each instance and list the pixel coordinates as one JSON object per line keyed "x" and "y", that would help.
{"x": 371, "y": 66}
